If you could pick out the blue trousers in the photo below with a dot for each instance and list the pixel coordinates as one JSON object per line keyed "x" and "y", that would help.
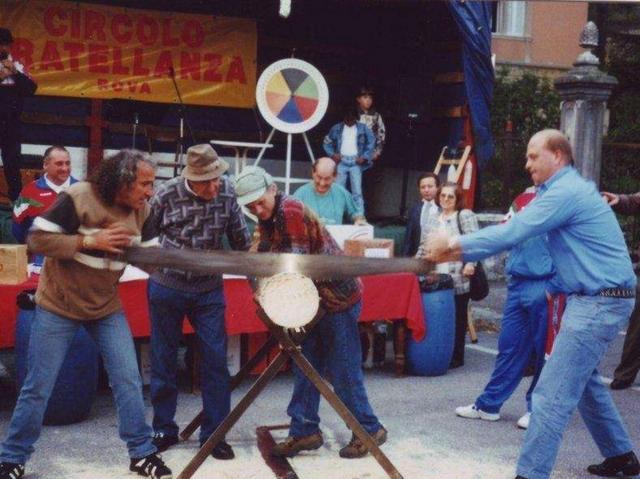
{"x": 205, "y": 311}
{"x": 333, "y": 348}
{"x": 51, "y": 336}
{"x": 524, "y": 332}
{"x": 348, "y": 168}
{"x": 570, "y": 379}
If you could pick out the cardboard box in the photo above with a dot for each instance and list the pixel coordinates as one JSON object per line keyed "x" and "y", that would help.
{"x": 369, "y": 248}
{"x": 341, "y": 233}
{"x": 13, "y": 263}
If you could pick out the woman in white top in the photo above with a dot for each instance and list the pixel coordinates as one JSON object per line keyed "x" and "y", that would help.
{"x": 455, "y": 220}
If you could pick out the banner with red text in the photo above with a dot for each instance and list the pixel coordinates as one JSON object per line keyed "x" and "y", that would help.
{"x": 98, "y": 51}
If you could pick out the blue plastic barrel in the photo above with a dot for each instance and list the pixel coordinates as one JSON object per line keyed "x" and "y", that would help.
{"x": 432, "y": 355}
{"x": 75, "y": 388}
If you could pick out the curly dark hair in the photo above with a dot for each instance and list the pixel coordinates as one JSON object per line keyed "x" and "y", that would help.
{"x": 118, "y": 171}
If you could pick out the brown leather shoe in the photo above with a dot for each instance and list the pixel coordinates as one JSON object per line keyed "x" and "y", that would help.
{"x": 291, "y": 446}
{"x": 356, "y": 447}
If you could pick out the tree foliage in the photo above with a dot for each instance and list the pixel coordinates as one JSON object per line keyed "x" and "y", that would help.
{"x": 530, "y": 104}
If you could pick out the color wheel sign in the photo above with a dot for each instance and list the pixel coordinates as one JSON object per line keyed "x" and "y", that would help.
{"x": 292, "y": 95}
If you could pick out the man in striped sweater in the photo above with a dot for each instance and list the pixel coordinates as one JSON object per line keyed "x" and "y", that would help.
{"x": 193, "y": 211}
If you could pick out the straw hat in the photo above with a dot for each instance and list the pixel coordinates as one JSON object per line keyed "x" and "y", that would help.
{"x": 203, "y": 164}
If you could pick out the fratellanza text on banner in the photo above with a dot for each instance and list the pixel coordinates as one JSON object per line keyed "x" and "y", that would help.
{"x": 98, "y": 51}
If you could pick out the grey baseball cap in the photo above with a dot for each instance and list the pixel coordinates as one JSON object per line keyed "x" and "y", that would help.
{"x": 251, "y": 184}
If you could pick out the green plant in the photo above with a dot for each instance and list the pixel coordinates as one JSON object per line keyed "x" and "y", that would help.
{"x": 530, "y": 104}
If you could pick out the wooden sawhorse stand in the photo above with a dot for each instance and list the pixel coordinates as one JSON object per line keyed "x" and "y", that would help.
{"x": 289, "y": 348}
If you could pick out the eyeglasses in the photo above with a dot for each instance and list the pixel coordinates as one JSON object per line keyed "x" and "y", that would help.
{"x": 447, "y": 197}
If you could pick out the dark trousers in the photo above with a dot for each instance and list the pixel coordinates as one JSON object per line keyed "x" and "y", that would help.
{"x": 205, "y": 311}
{"x": 10, "y": 145}
{"x": 462, "y": 302}
{"x": 630, "y": 361}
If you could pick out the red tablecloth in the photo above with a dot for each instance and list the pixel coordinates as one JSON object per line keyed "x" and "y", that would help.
{"x": 391, "y": 297}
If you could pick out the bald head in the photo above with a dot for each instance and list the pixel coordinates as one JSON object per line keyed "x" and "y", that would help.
{"x": 325, "y": 166}
{"x": 556, "y": 141}
{"x": 548, "y": 152}
{"x": 323, "y": 174}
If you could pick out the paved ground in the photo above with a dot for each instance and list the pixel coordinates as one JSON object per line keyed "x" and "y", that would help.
{"x": 426, "y": 439}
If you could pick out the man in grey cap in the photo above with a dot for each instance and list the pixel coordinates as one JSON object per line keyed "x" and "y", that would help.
{"x": 193, "y": 211}
{"x": 286, "y": 225}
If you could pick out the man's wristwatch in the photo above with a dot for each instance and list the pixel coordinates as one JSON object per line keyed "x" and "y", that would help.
{"x": 88, "y": 242}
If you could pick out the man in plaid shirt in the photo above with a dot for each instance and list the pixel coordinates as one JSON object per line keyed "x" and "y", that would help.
{"x": 333, "y": 346}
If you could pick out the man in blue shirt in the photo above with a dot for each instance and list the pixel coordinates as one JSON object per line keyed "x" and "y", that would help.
{"x": 594, "y": 269}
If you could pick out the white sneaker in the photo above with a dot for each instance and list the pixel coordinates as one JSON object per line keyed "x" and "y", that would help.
{"x": 523, "y": 422}
{"x": 471, "y": 412}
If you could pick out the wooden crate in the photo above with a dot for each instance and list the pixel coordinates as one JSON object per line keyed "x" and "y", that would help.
{"x": 13, "y": 263}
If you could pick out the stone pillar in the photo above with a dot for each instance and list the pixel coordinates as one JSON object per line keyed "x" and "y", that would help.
{"x": 584, "y": 91}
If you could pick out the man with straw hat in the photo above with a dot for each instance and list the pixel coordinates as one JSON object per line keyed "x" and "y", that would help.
{"x": 193, "y": 211}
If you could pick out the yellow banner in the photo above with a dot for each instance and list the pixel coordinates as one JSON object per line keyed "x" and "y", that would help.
{"x": 97, "y": 51}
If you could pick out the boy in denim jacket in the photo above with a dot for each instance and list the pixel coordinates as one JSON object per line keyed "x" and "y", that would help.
{"x": 351, "y": 145}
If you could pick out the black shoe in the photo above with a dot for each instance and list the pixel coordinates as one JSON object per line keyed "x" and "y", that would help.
{"x": 520, "y": 477}
{"x": 163, "y": 441}
{"x": 620, "y": 384}
{"x": 11, "y": 470}
{"x": 627, "y": 464}
{"x": 456, "y": 363}
{"x": 223, "y": 451}
{"x": 151, "y": 466}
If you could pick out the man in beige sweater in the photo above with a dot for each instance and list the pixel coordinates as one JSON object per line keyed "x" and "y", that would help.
{"x": 81, "y": 235}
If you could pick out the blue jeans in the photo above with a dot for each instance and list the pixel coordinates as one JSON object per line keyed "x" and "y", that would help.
{"x": 524, "y": 332}
{"x": 51, "y": 336}
{"x": 349, "y": 168}
{"x": 333, "y": 348}
{"x": 570, "y": 379}
{"x": 205, "y": 311}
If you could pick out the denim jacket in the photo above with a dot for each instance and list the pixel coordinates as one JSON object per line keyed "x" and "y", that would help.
{"x": 366, "y": 142}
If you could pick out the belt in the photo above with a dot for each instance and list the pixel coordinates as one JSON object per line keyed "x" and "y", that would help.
{"x": 617, "y": 293}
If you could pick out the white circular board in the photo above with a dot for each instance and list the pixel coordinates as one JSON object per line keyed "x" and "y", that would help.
{"x": 292, "y": 95}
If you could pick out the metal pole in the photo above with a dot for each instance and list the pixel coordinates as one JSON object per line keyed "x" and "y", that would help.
{"x": 264, "y": 148}
{"x": 287, "y": 179}
{"x": 306, "y": 142}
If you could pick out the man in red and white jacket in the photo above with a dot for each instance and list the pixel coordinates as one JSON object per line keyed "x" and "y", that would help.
{"x": 39, "y": 195}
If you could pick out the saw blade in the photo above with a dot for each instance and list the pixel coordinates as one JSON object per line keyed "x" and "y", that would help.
{"x": 269, "y": 264}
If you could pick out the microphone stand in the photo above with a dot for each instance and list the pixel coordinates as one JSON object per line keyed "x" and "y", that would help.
{"x": 135, "y": 128}
{"x": 183, "y": 122}
{"x": 411, "y": 139}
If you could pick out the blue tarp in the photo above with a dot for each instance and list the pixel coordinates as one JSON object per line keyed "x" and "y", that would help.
{"x": 474, "y": 23}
